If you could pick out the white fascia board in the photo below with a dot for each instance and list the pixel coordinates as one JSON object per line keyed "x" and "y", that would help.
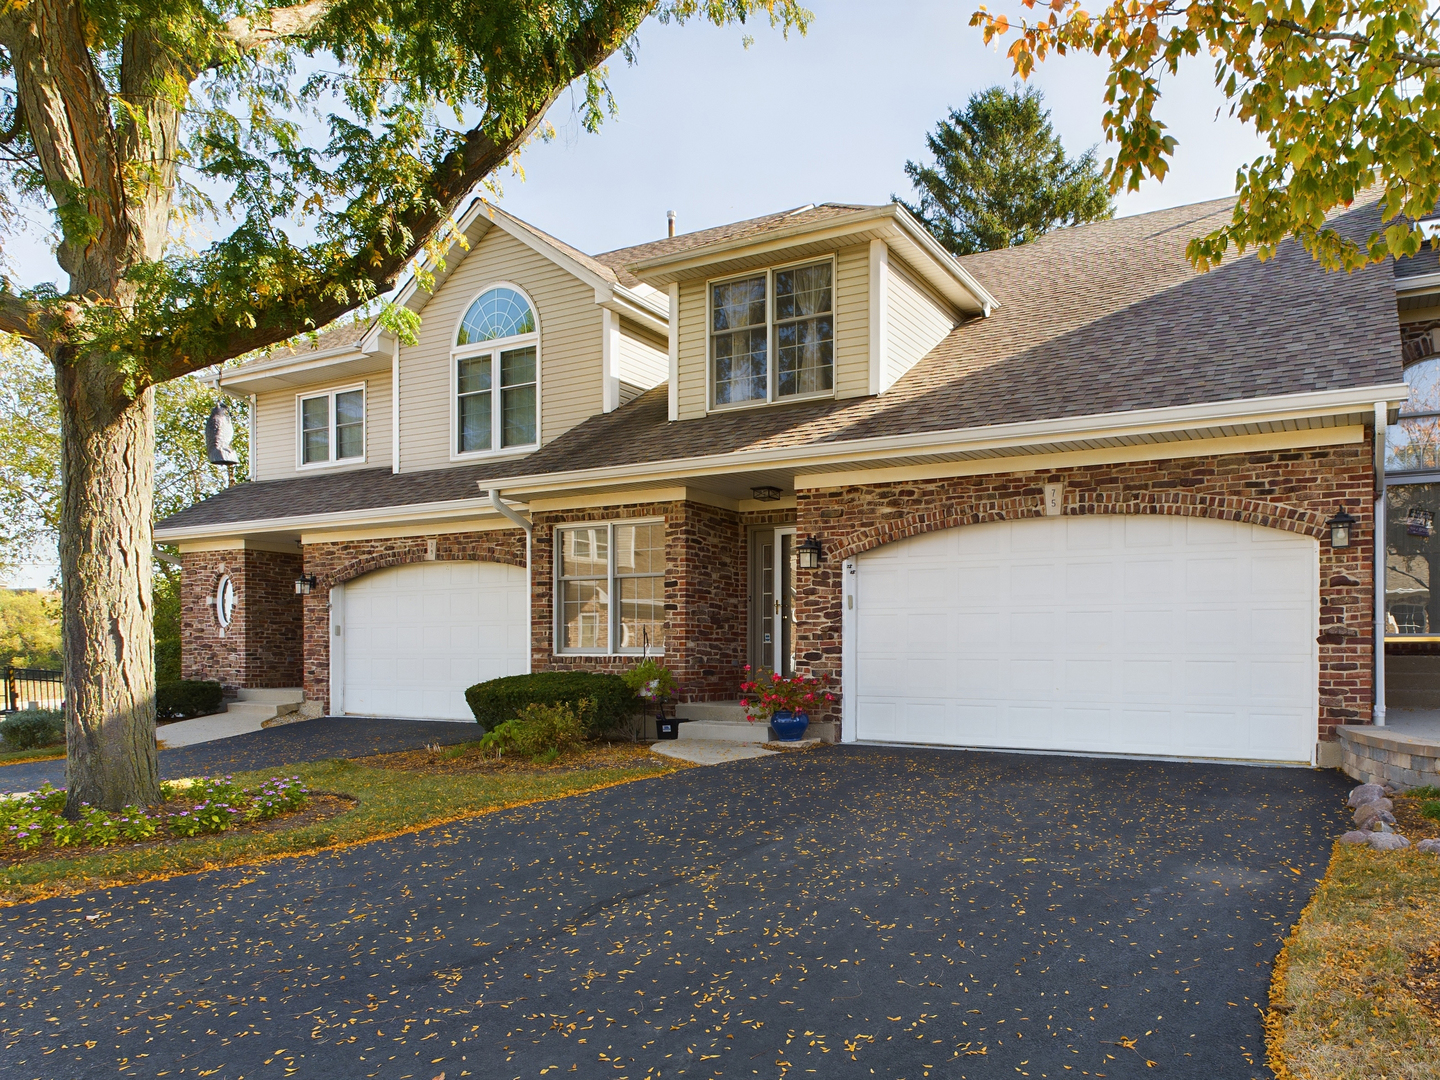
{"x": 239, "y": 378}
{"x": 1417, "y": 283}
{"x": 385, "y": 515}
{"x": 858, "y": 221}
{"x": 995, "y": 437}
{"x": 633, "y": 306}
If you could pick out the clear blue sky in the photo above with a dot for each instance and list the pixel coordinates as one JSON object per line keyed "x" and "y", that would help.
{"x": 717, "y": 132}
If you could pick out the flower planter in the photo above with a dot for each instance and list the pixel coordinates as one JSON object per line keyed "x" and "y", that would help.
{"x": 788, "y": 726}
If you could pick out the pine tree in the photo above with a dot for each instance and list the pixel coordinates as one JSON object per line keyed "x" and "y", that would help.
{"x": 1001, "y": 177}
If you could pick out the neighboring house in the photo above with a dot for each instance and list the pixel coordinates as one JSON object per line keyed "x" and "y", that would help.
{"x": 1067, "y": 496}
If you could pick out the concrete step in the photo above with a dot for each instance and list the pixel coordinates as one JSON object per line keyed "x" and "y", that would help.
{"x": 725, "y": 711}
{"x": 289, "y": 695}
{"x": 742, "y": 731}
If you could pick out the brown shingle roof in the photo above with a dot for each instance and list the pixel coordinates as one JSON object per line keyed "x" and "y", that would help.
{"x": 1101, "y": 318}
{"x": 333, "y": 336}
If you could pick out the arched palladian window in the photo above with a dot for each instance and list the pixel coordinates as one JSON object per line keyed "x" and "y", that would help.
{"x": 495, "y": 365}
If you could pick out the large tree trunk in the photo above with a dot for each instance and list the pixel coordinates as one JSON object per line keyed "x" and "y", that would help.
{"x": 108, "y": 467}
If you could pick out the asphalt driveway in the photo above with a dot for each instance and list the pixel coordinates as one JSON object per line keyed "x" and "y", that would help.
{"x": 310, "y": 740}
{"x": 852, "y": 912}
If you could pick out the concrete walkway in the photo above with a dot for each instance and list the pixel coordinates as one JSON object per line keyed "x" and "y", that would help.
{"x": 710, "y": 751}
{"x": 205, "y": 729}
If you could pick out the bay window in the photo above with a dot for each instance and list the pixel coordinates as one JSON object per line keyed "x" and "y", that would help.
{"x": 787, "y": 312}
{"x": 611, "y": 587}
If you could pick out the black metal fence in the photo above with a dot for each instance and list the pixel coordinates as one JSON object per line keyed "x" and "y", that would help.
{"x": 33, "y": 688}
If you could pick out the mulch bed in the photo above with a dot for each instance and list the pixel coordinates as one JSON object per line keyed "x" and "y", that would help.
{"x": 323, "y": 806}
{"x": 1412, "y": 824}
{"x": 1422, "y": 979}
{"x": 469, "y": 760}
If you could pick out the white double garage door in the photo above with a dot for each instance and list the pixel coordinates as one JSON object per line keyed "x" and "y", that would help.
{"x": 1155, "y": 636}
{"x": 408, "y": 640}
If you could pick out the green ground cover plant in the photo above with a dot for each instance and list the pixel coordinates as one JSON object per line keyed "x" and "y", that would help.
{"x": 543, "y": 732}
{"x": 387, "y": 802}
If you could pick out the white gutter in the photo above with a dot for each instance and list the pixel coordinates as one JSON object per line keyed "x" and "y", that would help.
{"x": 412, "y": 513}
{"x": 1380, "y": 561}
{"x": 1129, "y": 424}
{"x": 507, "y": 511}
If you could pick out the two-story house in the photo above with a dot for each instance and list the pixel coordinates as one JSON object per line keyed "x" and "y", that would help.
{"x": 1069, "y": 496}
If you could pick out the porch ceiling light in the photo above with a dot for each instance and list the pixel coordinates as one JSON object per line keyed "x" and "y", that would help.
{"x": 765, "y": 494}
{"x": 304, "y": 583}
{"x": 807, "y": 555}
{"x": 1340, "y": 526}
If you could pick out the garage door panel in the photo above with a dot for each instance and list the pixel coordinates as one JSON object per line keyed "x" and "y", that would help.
{"x": 1195, "y": 638}
{"x": 416, "y": 636}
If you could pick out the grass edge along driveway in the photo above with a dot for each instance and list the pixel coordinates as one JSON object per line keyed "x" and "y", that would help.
{"x": 391, "y": 802}
{"x": 1339, "y": 1006}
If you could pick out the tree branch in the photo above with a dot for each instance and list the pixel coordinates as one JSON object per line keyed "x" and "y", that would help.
{"x": 23, "y": 318}
{"x": 251, "y": 32}
{"x": 1360, "y": 40}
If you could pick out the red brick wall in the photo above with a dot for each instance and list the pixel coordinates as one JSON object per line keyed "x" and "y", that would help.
{"x": 261, "y": 646}
{"x": 1292, "y": 490}
{"x": 333, "y": 564}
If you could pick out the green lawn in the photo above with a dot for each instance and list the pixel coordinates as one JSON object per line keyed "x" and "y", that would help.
{"x": 390, "y": 802}
{"x": 1348, "y": 1001}
{"x": 44, "y": 753}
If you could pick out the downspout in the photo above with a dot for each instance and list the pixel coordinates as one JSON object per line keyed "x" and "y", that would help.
{"x": 1381, "y": 416}
{"x": 505, "y": 510}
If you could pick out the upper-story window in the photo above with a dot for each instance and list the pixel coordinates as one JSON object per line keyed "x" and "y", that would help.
{"x": 786, "y": 312}
{"x": 494, "y": 374}
{"x": 332, "y": 426}
{"x": 1413, "y": 445}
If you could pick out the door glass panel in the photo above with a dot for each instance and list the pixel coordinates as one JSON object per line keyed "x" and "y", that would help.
{"x": 1410, "y": 553}
{"x": 786, "y": 588}
{"x": 767, "y": 604}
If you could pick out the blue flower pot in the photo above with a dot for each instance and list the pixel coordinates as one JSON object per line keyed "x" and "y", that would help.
{"x": 788, "y": 726}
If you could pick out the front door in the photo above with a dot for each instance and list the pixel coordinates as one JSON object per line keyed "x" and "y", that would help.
{"x": 772, "y": 600}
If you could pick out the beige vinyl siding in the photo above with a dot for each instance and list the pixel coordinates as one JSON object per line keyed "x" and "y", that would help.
{"x": 916, "y": 323}
{"x": 629, "y": 392}
{"x": 691, "y": 357}
{"x": 852, "y": 322}
{"x": 644, "y": 358}
{"x": 276, "y": 451}
{"x": 852, "y": 332}
{"x": 570, "y": 341}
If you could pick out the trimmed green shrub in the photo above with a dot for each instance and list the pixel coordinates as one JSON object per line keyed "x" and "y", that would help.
{"x": 33, "y": 729}
{"x": 543, "y": 732}
{"x": 499, "y": 700}
{"x": 187, "y": 698}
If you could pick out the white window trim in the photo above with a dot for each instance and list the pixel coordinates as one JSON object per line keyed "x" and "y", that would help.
{"x": 495, "y": 346}
{"x": 610, "y": 579}
{"x": 333, "y": 461}
{"x": 770, "y": 365}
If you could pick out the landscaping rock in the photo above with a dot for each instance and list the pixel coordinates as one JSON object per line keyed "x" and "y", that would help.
{"x": 1375, "y": 811}
{"x": 1430, "y": 847}
{"x": 1366, "y": 793}
{"x": 1388, "y": 841}
{"x": 1355, "y": 837}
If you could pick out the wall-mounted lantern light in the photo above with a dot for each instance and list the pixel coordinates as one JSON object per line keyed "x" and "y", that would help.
{"x": 765, "y": 494}
{"x": 304, "y": 583}
{"x": 1340, "y": 526}
{"x": 807, "y": 555}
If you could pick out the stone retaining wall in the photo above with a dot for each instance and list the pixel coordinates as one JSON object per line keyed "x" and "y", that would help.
{"x": 1377, "y": 756}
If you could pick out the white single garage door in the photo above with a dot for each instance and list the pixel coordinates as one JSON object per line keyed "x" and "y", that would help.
{"x": 414, "y": 637}
{"x": 1157, "y": 636}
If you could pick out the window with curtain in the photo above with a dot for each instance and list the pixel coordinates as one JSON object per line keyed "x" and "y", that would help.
{"x": 332, "y": 426}
{"x": 798, "y": 329}
{"x": 1411, "y": 551}
{"x": 611, "y": 587}
{"x": 496, "y": 374}
{"x": 1413, "y": 445}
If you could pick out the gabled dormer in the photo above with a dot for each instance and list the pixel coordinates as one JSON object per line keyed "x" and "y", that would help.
{"x": 828, "y": 301}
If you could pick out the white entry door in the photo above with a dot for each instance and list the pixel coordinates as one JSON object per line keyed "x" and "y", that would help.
{"x": 413, "y": 638}
{"x": 1157, "y": 636}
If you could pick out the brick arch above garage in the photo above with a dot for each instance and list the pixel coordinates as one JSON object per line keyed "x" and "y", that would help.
{"x": 1270, "y": 515}
{"x": 334, "y": 564}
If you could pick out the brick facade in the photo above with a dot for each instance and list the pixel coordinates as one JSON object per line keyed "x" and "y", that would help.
{"x": 1292, "y": 490}
{"x": 260, "y": 648}
{"x": 334, "y": 564}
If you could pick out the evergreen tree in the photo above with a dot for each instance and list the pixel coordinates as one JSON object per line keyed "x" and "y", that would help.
{"x": 1001, "y": 177}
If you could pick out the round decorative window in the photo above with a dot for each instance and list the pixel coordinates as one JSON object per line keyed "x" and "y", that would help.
{"x": 225, "y": 600}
